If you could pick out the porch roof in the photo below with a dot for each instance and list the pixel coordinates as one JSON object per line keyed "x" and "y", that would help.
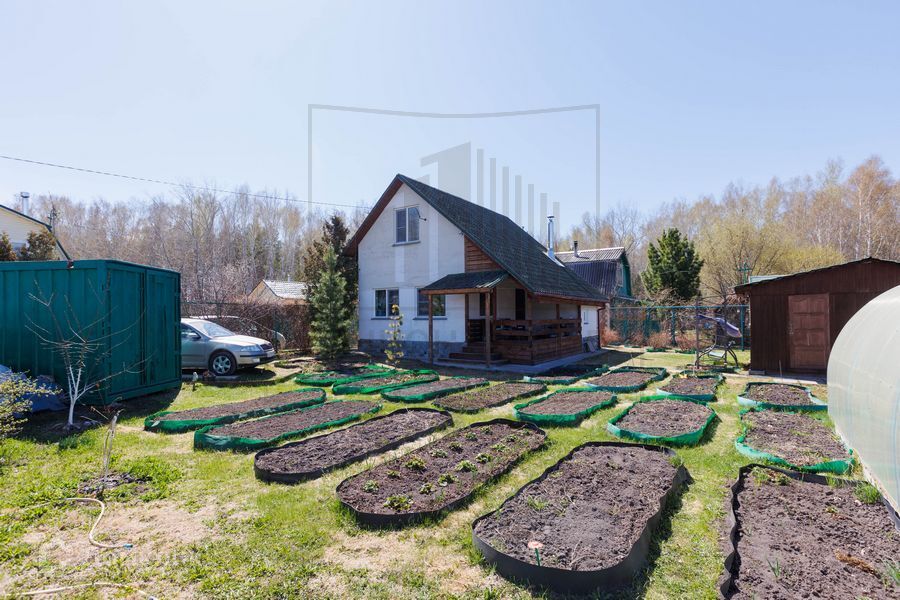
{"x": 459, "y": 283}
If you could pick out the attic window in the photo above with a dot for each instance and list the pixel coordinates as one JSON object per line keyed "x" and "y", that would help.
{"x": 407, "y": 225}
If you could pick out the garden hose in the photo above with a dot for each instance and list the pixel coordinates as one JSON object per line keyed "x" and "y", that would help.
{"x": 96, "y": 522}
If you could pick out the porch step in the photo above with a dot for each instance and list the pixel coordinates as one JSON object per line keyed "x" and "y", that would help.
{"x": 474, "y": 356}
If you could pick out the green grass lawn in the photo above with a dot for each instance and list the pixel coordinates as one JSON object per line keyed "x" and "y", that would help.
{"x": 202, "y": 525}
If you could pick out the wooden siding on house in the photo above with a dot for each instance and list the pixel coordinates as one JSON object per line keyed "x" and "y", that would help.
{"x": 848, "y": 286}
{"x": 477, "y": 260}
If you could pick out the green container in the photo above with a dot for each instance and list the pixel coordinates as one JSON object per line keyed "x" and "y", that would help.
{"x": 132, "y": 311}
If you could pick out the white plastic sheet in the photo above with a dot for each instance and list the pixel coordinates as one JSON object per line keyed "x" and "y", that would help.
{"x": 864, "y": 389}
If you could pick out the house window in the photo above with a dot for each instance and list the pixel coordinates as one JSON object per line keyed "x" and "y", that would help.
{"x": 438, "y": 302}
{"x": 407, "y": 225}
{"x": 384, "y": 300}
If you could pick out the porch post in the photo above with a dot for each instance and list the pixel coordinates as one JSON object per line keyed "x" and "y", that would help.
{"x": 558, "y": 331}
{"x": 430, "y": 330}
{"x": 488, "y": 327}
{"x": 466, "y": 326}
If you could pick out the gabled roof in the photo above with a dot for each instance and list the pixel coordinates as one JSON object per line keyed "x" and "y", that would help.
{"x": 289, "y": 290}
{"x": 600, "y": 274}
{"x": 475, "y": 280}
{"x": 507, "y": 244}
{"x": 594, "y": 254}
{"x": 59, "y": 245}
{"x": 760, "y": 284}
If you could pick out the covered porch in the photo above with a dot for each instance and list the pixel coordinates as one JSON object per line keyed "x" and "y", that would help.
{"x": 506, "y": 323}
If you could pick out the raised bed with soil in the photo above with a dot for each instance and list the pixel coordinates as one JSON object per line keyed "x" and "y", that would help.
{"x": 663, "y": 420}
{"x": 374, "y": 385}
{"x": 439, "y": 476}
{"x": 792, "y": 440}
{"x": 220, "y": 414}
{"x": 564, "y": 407}
{"x": 586, "y": 523}
{"x": 792, "y": 535}
{"x": 267, "y": 431}
{"x": 315, "y": 456}
{"x": 489, "y": 397}
{"x": 327, "y": 378}
{"x": 428, "y": 391}
{"x": 566, "y": 375}
{"x": 694, "y": 386}
{"x": 779, "y": 396}
{"x": 626, "y": 379}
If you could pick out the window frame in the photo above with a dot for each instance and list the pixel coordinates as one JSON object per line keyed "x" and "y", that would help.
{"x": 406, "y": 228}
{"x": 419, "y": 305}
{"x": 388, "y": 292}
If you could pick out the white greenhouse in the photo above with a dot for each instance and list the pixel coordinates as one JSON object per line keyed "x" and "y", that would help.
{"x": 864, "y": 389}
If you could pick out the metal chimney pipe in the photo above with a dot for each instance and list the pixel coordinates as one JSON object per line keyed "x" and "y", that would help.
{"x": 575, "y": 248}
{"x": 26, "y": 209}
{"x": 550, "y": 236}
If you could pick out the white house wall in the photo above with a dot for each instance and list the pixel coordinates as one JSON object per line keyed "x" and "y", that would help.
{"x": 17, "y": 228}
{"x": 408, "y": 267}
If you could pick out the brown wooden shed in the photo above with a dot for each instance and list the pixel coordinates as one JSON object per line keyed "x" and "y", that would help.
{"x": 795, "y": 319}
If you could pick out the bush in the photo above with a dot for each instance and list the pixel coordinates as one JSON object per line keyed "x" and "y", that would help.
{"x": 660, "y": 339}
{"x": 13, "y": 390}
{"x": 686, "y": 342}
{"x": 610, "y": 337}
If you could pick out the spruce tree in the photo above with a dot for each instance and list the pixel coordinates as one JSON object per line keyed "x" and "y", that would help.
{"x": 674, "y": 267}
{"x": 39, "y": 246}
{"x": 331, "y": 316}
{"x": 6, "y": 250}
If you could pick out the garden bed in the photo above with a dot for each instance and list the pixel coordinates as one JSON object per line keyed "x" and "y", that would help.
{"x": 564, "y": 407}
{"x": 792, "y": 535}
{"x": 439, "y": 476}
{"x": 586, "y": 523}
{"x": 315, "y": 456}
{"x": 792, "y": 440}
{"x": 220, "y": 414}
{"x": 435, "y": 389}
{"x": 664, "y": 420}
{"x": 373, "y": 385}
{"x": 327, "y": 378}
{"x": 779, "y": 396}
{"x": 489, "y": 397}
{"x": 694, "y": 386}
{"x": 566, "y": 375}
{"x": 627, "y": 379}
{"x": 250, "y": 435}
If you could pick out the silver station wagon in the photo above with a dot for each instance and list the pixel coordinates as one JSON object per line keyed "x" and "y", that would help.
{"x": 207, "y": 345}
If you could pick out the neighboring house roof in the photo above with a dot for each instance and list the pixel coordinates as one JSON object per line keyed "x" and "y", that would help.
{"x": 475, "y": 280}
{"x": 59, "y": 245}
{"x": 600, "y": 274}
{"x": 606, "y": 254}
{"x": 755, "y": 285}
{"x": 287, "y": 290}
{"x": 507, "y": 244}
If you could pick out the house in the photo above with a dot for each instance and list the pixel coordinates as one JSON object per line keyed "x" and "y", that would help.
{"x": 606, "y": 269}
{"x": 279, "y": 292}
{"x": 17, "y": 226}
{"x": 472, "y": 285}
{"x": 796, "y": 318}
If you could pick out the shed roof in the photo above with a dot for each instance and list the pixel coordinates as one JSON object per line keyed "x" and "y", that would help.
{"x": 476, "y": 280}
{"x": 749, "y": 288}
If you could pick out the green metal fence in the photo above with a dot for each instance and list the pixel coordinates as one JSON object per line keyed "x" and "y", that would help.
{"x": 677, "y": 326}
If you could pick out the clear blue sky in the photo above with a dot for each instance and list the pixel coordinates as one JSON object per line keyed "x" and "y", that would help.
{"x": 692, "y": 95}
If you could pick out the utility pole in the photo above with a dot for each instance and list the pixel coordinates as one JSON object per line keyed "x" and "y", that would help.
{"x": 744, "y": 271}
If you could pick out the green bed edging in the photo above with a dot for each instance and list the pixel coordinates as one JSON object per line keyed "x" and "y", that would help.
{"x": 424, "y": 397}
{"x": 838, "y": 467}
{"x": 327, "y": 378}
{"x": 343, "y": 387}
{"x": 152, "y": 423}
{"x": 550, "y": 379}
{"x": 561, "y": 420}
{"x": 700, "y": 397}
{"x": 685, "y": 439}
{"x": 817, "y": 404}
{"x": 204, "y": 440}
{"x": 660, "y": 373}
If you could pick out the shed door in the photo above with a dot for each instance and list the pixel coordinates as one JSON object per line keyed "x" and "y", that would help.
{"x": 808, "y": 331}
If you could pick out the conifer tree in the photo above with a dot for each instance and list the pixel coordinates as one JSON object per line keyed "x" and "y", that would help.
{"x": 674, "y": 267}
{"x": 331, "y": 323}
{"x": 6, "y": 250}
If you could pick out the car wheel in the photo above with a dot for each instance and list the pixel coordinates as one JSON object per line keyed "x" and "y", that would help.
{"x": 222, "y": 363}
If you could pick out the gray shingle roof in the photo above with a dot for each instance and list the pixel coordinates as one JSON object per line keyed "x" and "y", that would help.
{"x": 468, "y": 281}
{"x": 289, "y": 290}
{"x": 507, "y": 244}
{"x": 590, "y": 255}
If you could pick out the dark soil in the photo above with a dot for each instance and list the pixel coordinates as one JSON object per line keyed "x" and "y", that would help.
{"x": 692, "y": 386}
{"x": 799, "y": 439}
{"x": 488, "y": 397}
{"x": 567, "y": 403}
{"x": 666, "y": 418}
{"x": 587, "y": 514}
{"x": 325, "y": 452}
{"x": 621, "y": 379}
{"x": 236, "y": 408}
{"x": 442, "y": 472}
{"x": 778, "y": 393}
{"x": 810, "y": 540}
{"x": 386, "y": 381}
{"x": 443, "y": 385}
{"x": 270, "y": 427}
{"x": 329, "y": 377}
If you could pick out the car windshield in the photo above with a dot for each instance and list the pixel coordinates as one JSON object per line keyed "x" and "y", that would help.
{"x": 211, "y": 329}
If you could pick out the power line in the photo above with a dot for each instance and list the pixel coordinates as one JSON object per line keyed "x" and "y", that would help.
{"x": 170, "y": 183}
